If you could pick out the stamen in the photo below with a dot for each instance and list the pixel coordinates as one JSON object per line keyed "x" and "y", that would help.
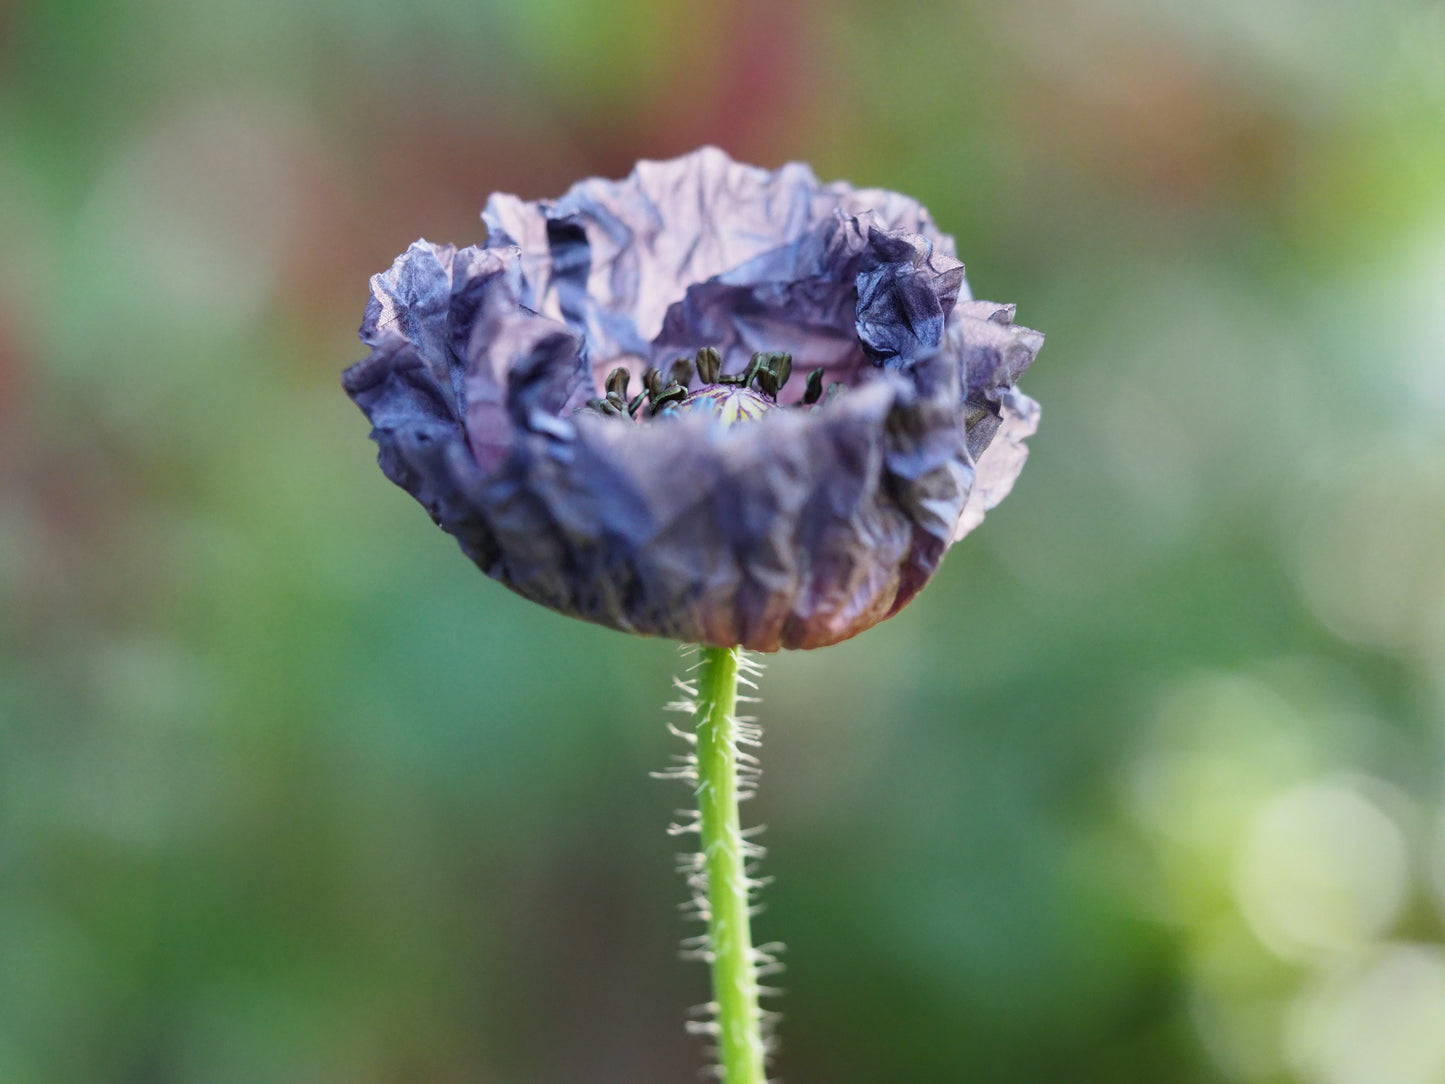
{"x": 604, "y": 407}
{"x": 773, "y": 373}
{"x": 814, "y": 390}
{"x": 709, "y": 365}
{"x": 682, "y": 372}
{"x": 755, "y": 366}
{"x": 617, "y": 381}
{"x": 785, "y": 368}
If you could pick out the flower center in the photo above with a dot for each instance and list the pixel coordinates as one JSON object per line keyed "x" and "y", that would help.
{"x": 736, "y": 397}
{"x": 729, "y": 404}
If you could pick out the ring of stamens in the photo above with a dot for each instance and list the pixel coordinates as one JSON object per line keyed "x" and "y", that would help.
{"x": 668, "y": 394}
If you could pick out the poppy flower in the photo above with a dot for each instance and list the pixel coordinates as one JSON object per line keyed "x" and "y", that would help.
{"x": 709, "y": 402}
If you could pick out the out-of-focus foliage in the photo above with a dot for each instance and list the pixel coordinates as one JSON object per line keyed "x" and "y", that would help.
{"x": 1146, "y": 786}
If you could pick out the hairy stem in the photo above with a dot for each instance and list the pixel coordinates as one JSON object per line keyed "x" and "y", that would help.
{"x": 724, "y": 854}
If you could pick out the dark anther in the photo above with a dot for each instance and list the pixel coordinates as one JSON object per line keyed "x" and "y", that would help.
{"x": 774, "y": 373}
{"x": 673, "y": 393}
{"x": 784, "y": 367}
{"x": 617, "y": 381}
{"x": 709, "y": 365}
{"x": 767, "y": 381}
{"x": 652, "y": 380}
{"x": 814, "y": 391}
{"x": 604, "y": 407}
{"x": 755, "y": 366}
{"x": 636, "y": 404}
{"x": 618, "y": 403}
{"x": 682, "y": 372}
{"x": 744, "y": 378}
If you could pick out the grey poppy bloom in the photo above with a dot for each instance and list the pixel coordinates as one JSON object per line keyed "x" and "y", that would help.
{"x": 495, "y": 396}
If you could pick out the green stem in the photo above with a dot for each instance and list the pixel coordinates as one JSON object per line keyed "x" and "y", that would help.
{"x": 734, "y": 976}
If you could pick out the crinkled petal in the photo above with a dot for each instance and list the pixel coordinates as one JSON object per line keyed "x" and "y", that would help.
{"x": 610, "y": 257}
{"x": 793, "y": 531}
{"x": 847, "y": 297}
{"x": 1000, "y": 463}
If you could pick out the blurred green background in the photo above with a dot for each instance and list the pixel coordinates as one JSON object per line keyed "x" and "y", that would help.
{"x": 1147, "y": 787}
